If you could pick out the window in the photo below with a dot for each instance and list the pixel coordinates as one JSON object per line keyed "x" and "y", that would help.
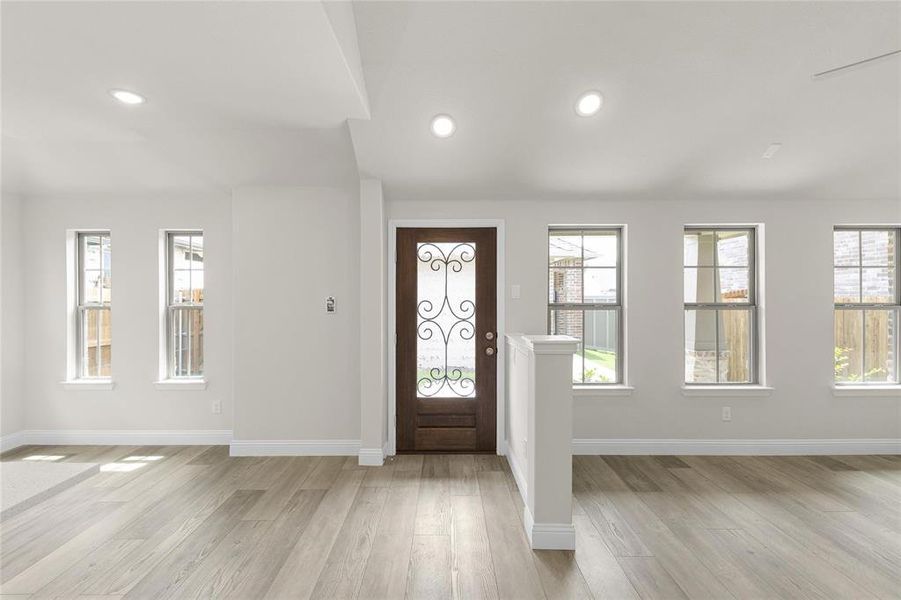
{"x": 585, "y": 299}
{"x": 184, "y": 304}
{"x": 867, "y": 304}
{"x": 720, "y": 302}
{"x": 93, "y": 301}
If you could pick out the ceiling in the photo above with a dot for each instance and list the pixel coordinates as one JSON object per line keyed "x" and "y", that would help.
{"x": 238, "y": 93}
{"x": 694, "y": 93}
{"x": 311, "y": 93}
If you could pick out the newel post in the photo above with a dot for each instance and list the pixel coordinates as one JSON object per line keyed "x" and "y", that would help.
{"x": 546, "y": 394}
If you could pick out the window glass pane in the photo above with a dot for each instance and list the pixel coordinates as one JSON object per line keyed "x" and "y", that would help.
{"x": 186, "y": 329}
{"x": 698, "y": 284}
{"x": 196, "y": 287}
{"x": 733, "y": 285}
{"x": 181, "y": 286}
{"x": 196, "y": 262}
{"x": 569, "y": 322}
{"x": 877, "y": 247}
{"x": 690, "y": 248}
{"x": 700, "y": 346}
{"x": 92, "y": 283}
{"x": 846, "y": 247}
{"x": 880, "y": 343}
{"x": 106, "y": 343}
{"x": 601, "y": 249}
{"x": 878, "y": 285}
{"x": 847, "y": 285}
{"x": 733, "y": 248}
{"x": 565, "y": 249}
{"x": 848, "y": 345}
{"x": 601, "y": 345}
{"x": 565, "y": 286}
{"x": 107, "y": 283}
{"x": 96, "y": 343}
{"x": 107, "y": 286}
{"x": 735, "y": 346}
{"x": 91, "y": 252}
{"x": 698, "y": 248}
{"x": 181, "y": 252}
{"x": 600, "y": 285}
{"x": 446, "y": 320}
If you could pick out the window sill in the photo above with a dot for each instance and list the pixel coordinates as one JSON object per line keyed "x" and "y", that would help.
{"x": 182, "y": 385}
{"x": 602, "y": 391}
{"x": 726, "y": 391}
{"x": 866, "y": 390}
{"x": 88, "y": 385}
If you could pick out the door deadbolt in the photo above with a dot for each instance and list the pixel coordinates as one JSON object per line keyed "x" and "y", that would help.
{"x": 489, "y": 335}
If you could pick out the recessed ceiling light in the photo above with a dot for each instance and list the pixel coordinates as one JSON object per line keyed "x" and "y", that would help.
{"x": 443, "y": 126}
{"x": 126, "y": 97}
{"x": 771, "y": 150}
{"x": 589, "y": 104}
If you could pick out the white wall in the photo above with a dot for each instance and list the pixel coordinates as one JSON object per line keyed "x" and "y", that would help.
{"x": 297, "y": 373}
{"x": 12, "y": 363}
{"x": 134, "y": 403}
{"x": 798, "y": 305}
{"x": 373, "y": 321}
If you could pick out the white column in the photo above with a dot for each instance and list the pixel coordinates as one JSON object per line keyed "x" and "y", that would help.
{"x": 546, "y": 398}
{"x": 373, "y": 324}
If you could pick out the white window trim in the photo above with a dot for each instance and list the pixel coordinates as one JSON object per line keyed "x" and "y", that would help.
{"x": 621, "y": 388}
{"x": 760, "y": 387}
{"x": 73, "y": 381}
{"x": 858, "y": 391}
{"x": 726, "y": 391}
{"x": 184, "y": 384}
{"x": 608, "y": 390}
{"x": 164, "y": 381}
{"x": 850, "y": 389}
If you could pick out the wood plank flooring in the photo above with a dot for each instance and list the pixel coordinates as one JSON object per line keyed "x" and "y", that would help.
{"x": 192, "y": 522}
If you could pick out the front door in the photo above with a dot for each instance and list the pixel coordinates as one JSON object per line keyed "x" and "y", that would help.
{"x": 446, "y": 340}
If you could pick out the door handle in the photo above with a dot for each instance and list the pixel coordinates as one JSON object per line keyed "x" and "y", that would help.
{"x": 489, "y": 351}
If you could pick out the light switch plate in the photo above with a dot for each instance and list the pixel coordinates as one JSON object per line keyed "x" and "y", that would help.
{"x": 515, "y": 291}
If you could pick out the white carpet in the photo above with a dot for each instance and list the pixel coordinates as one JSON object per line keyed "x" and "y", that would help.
{"x": 26, "y": 483}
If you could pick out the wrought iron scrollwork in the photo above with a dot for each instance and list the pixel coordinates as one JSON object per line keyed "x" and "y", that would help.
{"x": 459, "y": 320}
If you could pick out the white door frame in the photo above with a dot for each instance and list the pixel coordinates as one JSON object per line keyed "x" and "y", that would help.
{"x": 393, "y": 225}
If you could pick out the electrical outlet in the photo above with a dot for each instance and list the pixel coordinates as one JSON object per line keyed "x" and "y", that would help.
{"x": 727, "y": 413}
{"x": 217, "y": 407}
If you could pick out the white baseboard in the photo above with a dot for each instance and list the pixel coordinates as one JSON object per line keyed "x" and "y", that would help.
{"x": 295, "y": 448}
{"x": 373, "y": 457}
{"x": 12, "y": 440}
{"x": 737, "y": 447}
{"x": 549, "y": 536}
{"x": 127, "y": 437}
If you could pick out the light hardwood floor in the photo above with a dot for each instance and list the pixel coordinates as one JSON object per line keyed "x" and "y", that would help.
{"x": 197, "y": 523}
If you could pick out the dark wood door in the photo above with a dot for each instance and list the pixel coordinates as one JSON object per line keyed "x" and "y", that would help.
{"x": 446, "y": 340}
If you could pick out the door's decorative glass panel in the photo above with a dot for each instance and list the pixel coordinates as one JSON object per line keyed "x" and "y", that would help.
{"x": 445, "y": 320}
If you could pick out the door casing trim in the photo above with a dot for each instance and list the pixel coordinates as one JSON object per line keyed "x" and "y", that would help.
{"x": 498, "y": 225}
